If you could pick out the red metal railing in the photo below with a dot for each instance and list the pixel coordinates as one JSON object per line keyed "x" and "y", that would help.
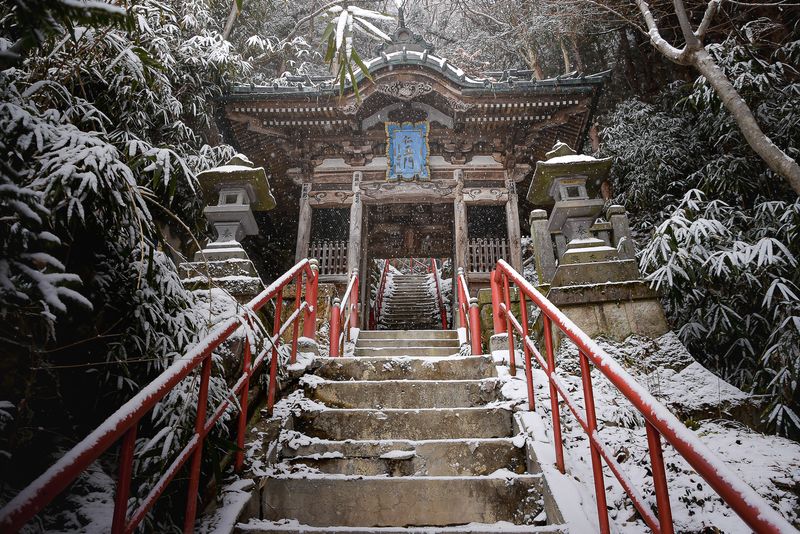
{"x": 468, "y": 314}
{"x": 344, "y": 317}
{"x": 442, "y": 312}
{"x": 660, "y": 422}
{"x": 376, "y": 312}
{"x": 123, "y": 424}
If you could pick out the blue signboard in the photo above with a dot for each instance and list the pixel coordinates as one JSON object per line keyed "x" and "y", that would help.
{"x": 407, "y": 151}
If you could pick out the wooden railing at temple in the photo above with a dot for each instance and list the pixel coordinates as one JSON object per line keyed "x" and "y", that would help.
{"x": 377, "y": 310}
{"x": 332, "y": 256}
{"x": 483, "y": 253}
{"x": 439, "y": 299}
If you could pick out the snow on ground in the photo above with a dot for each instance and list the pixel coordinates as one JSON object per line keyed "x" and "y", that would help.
{"x": 770, "y": 464}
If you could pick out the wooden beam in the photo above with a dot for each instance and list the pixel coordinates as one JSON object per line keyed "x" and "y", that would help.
{"x": 356, "y": 214}
{"x": 512, "y": 222}
{"x": 303, "y": 225}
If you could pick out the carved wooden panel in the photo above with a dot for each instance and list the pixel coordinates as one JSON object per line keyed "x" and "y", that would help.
{"x": 485, "y": 195}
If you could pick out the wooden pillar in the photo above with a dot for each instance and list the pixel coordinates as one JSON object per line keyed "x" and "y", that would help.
{"x": 460, "y": 218}
{"x": 512, "y": 222}
{"x": 356, "y": 212}
{"x": 303, "y": 225}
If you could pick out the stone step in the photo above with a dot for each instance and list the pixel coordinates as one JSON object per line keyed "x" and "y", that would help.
{"x": 454, "y": 368}
{"x": 325, "y": 500}
{"x": 410, "y": 458}
{"x": 259, "y": 526}
{"x": 418, "y": 424}
{"x": 408, "y": 324}
{"x": 406, "y": 393}
{"x": 411, "y": 303}
{"x": 404, "y": 351}
{"x": 404, "y": 334}
{"x": 409, "y": 342}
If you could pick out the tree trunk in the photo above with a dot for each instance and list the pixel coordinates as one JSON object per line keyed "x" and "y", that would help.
{"x": 226, "y": 32}
{"x": 773, "y": 156}
{"x": 578, "y": 59}
{"x": 625, "y": 52}
{"x": 564, "y": 55}
{"x": 533, "y": 61}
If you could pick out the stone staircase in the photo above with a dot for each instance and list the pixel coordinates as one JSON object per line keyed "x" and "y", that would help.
{"x": 409, "y": 305}
{"x": 390, "y": 442}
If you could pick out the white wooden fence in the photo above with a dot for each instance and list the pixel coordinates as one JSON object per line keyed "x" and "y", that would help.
{"x": 332, "y": 256}
{"x": 484, "y": 252}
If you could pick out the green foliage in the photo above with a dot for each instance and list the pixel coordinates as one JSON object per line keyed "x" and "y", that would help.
{"x": 725, "y": 251}
{"x": 104, "y": 123}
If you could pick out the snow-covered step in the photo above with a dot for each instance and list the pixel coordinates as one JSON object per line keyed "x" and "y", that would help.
{"x": 454, "y": 457}
{"x": 404, "y": 351}
{"x": 410, "y": 342}
{"x": 326, "y": 500}
{"x": 256, "y": 526}
{"x": 408, "y": 334}
{"x": 404, "y": 393}
{"x": 416, "y": 424}
{"x": 405, "y": 368}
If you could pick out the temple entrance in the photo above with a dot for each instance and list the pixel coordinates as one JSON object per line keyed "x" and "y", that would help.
{"x": 410, "y": 230}
{"x": 409, "y": 245}
{"x": 410, "y": 294}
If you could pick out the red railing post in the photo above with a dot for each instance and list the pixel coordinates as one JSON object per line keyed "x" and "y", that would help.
{"x": 335, "y": 329}
{"x": 312, "y": 295}
{"x": 523, "y": 308}
{"x": 125, "y": 472}
{"x": 296, "y": 325}
{"x": 659, "y": 480}
{"x": 462, "y": 317}
{"x": 597, "y": 462}
{"x": 354, "y": 301}
{"x": 475, "y": 326}
{"x": 497, "y": 318}
{"x": 243, "y": 401}
{"x": 197, "y": 456}
{"x": 551, "y": 369}
{"x": 512, "y": 356}
{"x": 273, "y": 364}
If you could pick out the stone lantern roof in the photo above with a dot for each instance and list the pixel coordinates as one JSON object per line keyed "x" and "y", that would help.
{"x": 238, "y": 172}
{"x": 564, "y": 162}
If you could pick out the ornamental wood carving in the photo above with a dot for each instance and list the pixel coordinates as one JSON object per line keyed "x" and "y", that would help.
{"x": 404, "y": 90}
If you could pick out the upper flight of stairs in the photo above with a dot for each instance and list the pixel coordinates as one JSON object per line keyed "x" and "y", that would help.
{"x": 402, "y": 442}
{"x": 409, "y": 305}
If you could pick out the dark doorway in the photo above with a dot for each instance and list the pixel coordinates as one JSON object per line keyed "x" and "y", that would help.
{"x": 410, "y": 230}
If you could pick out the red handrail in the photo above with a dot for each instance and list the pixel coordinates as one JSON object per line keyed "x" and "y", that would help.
{"x": 344, "y": 317}
{"x": 124, "y": 422}
{"x": 468, "y": 314}
{"x": 376, "y": 316}
{"x": 435, "y": 271}
{"x": 748, "y": 504}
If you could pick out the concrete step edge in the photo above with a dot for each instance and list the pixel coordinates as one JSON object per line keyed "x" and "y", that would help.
{"x": 255, "y": 526}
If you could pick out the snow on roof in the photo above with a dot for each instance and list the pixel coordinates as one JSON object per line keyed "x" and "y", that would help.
{"x": 573, "y": 158}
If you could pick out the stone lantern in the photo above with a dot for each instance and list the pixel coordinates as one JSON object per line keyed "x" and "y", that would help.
{"x": 232, "y": 193}
{"x": 592, "y": 275}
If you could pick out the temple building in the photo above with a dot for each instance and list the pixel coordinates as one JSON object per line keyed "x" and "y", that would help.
{"x": 410, "y": 165}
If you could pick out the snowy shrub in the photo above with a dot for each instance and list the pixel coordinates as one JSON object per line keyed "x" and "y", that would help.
{"x": 105, "y": 117}
{"x": 719, "y": 233}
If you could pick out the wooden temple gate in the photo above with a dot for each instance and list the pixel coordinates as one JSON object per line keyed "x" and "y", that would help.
{"x": 478, "y": 139}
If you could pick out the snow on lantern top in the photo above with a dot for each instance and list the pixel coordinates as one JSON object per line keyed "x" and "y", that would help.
{"x": 565, "y": 175}
{"x": 237, "y": 182}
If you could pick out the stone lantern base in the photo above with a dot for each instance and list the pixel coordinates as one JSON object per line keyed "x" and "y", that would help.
{"x": 237, "y": 276}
